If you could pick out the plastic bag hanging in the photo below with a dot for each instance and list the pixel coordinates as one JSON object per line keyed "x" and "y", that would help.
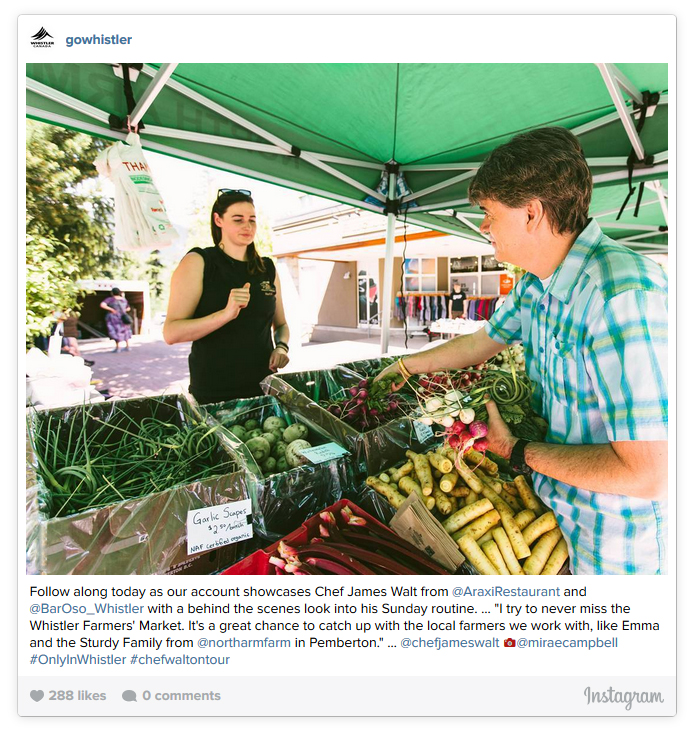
{"x": 141, "y": 218}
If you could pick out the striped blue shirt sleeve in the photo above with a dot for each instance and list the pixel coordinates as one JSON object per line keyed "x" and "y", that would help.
{"x": 504, "y": 326}
{"x": 626, "y": 359}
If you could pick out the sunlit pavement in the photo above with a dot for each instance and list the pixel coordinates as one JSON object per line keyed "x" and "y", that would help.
{"x": 152, "y": 367}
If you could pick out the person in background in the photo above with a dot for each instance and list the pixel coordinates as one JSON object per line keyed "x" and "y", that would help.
{"x": 456, "y": 301}
{"x": 226, "y": 299}
{"x": 70, "y": 345}
{"x": 592, "y": 316}
{"x": 118, "y": 326}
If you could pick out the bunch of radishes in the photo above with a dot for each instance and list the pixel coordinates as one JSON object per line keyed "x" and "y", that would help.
{"x": 368, "y": 404}
{"x": 463, "y": 437}
{"x": 461, "y": 430}
{"x": 461, "y": 380}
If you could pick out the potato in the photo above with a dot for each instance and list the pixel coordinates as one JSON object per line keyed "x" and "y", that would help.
{"x": 282, "y": 465}
{"x": 253, "y": 433}
{"x": 295, "y": 432}
{"x": 269, "y": 437}
{"x": 252, "y": 424}
{"x": 293, "y": 454}
{"x": 269, "y": 466}
{"x": 260, "y": 449}
{"x": 279, "y": 449}
{"x": 279, "y": 435}
{"x": 274, "y": 423}
{"x": 239, "y": 431}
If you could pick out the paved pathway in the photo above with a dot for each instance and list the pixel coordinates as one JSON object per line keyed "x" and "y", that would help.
{"x": 151, "y": 367}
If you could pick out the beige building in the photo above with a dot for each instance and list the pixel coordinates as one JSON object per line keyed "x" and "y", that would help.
{"x": 331, "y": 263}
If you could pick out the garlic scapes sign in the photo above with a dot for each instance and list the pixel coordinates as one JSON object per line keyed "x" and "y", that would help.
{"x": 214, "y": 526}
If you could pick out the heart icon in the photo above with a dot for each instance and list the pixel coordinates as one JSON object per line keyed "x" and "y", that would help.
{"x": 36, "y": 695}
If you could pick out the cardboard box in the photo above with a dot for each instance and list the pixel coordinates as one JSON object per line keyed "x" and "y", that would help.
{"x": 371, "y": 451}
{"x": 146, "y": 535}
{"x": 281, "y": 501}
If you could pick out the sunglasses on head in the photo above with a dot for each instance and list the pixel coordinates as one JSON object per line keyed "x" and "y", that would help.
{"x": 231, "y": 191}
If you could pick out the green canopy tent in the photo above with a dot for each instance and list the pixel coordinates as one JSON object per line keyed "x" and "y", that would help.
{"x": 396, "y": 139}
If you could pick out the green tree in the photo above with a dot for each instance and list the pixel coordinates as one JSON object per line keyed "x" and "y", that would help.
{"x": 155, "y": 268}
{"x": 69, "y": 222}
{"x": 50, "y": 284}
{"x": 63, "y": 199}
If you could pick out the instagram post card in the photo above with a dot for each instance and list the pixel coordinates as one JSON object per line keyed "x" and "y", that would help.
{"x": 347, "y": 364}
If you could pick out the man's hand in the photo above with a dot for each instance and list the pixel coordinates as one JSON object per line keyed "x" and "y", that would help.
{"x": 499, "y": 436}
{"x": 392, "y": 369}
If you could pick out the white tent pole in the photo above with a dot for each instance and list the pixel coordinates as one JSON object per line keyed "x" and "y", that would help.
{"x": 437, "y": 226}
{"x": 621, "y": 80}
{"x": 661, "y": 198}
{"x": 148, "y": 144}
{"x": 228, "y": 114}
{"x": 608, "y": 118}
{"x": 604, "y": 162}
{"x": 423, "y": 167}
{"x": 67, "y": 101}
{"x": 439, "y": 186}
{"x": 440, "y": 205}
{"x": 613, "y": 82}
{"x": 151, "y": 92}
{"x": 628, "y": 227}
{"x": 623, "y": 174}
{"x": 627, "y": 208}
{"x": 64, "y": 121}
{"x": 636, "y": 237}
{"x": 156, "y": 131}
{"x": 387, "y": 294}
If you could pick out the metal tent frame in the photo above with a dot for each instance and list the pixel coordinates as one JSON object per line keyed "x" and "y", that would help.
{"x": 615, "y": 80}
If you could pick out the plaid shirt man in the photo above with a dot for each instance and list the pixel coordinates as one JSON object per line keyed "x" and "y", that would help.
{"x": 596, "y": 347}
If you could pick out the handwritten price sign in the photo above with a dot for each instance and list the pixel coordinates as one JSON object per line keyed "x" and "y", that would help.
{"x": 215, "y": 526}
{"x": 323, "y": 453}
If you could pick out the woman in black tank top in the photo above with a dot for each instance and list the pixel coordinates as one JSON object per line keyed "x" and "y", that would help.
{"x": 226, "y": 299}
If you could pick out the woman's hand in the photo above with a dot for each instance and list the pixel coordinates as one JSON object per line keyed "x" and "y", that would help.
{"x": 278, "y": 359}
{"x": 238, "y": 299}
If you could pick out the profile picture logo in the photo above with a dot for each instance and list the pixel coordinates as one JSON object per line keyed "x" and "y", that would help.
{"x": 40, "y": 39}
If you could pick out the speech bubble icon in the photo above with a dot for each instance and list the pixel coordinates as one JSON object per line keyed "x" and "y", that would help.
{"x": 129, "y": 695}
